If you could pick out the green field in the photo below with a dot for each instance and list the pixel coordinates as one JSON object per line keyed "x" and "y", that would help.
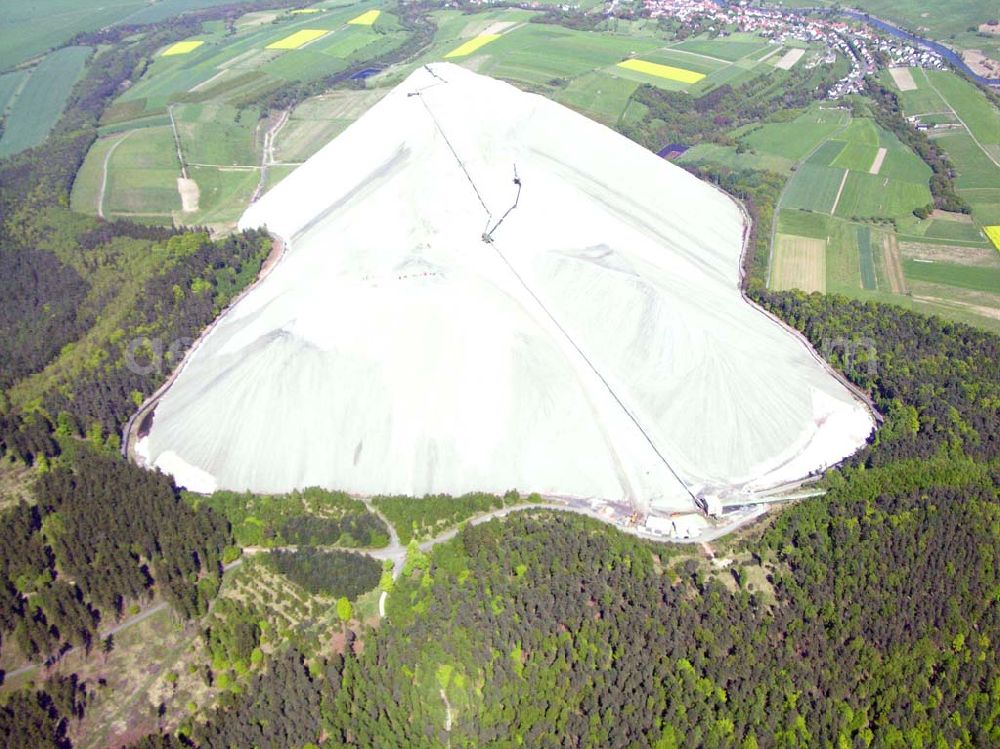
{"x": 900, "y": 186}
{"x": 142, "y": 175}
{"x": 972, "y": 108}
{"x": 216, "y": 134}
{"x": 977, "y": 163}
{"x": 727, "y": 48}
{"x": 10, "y": 84}
{"x": 30, "y": 28}
{"x": 41, "y": 101}
{"x": 951, "y": 274}
{"x": 232, "y": 67}
{"x": 598, "y": 95}
{"x": 804, "y": 224}
{"x": 974, "y": 167}
{"x": 866, "y": 259}
{"x": 875, "y": 196}
{"x": 777, "y": 146}
{"x": 954, "y": 230}
{"x": 813, "y": 188}
{"x": 87, "y": 185}
{"x": 855, "y": 156}
{"x": 794, "y": 140}
{"x": 207, "y": 89}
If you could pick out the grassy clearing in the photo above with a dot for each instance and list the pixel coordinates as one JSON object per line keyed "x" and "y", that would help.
{"x": 142, "y": 175}
{"x": 827, "y": 153}
{"x": 856, "y": 156}
{"x": 729, "y": 156}
{"x": 42, "y": 99}
{"x": 224, "y": 196}
{"x": 216, "y": 134}
{"x": 953, "y": 230}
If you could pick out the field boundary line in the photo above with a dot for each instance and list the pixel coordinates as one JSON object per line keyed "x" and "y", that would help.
{"x": 727, "y": 63}
{"x": 177, "y": 141}
{"x": 836, "y": 200}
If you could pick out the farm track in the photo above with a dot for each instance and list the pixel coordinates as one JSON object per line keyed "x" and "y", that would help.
{"x": 893, "y": 264}
{"x": 177, "y": 141}
{"x": 267, "y": 153}
{"x": 840, "y": 190}
{"x": 104, "y": 173}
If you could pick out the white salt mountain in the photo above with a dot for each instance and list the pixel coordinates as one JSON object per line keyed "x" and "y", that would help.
{"x": 598, "y": 346}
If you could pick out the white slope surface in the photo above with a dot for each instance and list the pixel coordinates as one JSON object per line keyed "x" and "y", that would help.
{"x": 599, "y": 347}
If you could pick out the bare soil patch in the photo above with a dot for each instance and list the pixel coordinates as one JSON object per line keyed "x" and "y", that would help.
{"x": 979, "y": 256}
{"x": 981, "y": 63}
{"x": 789, "y": 59}
{"x": 190, "y": 194}
{"x": 962, "y": 218}
{"x": 903, "y": 79}
{"x": 876, "y": 166}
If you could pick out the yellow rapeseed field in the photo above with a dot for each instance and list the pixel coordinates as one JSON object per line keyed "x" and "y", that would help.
{"x": 366, "y": 19}
{"x": 662, "y": 71}
{"x": 181, "y": 48}
{"x": 472, "y": 45}
{"x": 993, "y": 232}
{"x": 296, "y": 40}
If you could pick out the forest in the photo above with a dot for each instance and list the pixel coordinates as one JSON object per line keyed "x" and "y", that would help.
{"x": 424, "y": 518}
{"x": 328, "y": 572}
{"x": 101, "y": 534}
{"x": 311, "y": 517}
{"x": 866, "y": 617}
